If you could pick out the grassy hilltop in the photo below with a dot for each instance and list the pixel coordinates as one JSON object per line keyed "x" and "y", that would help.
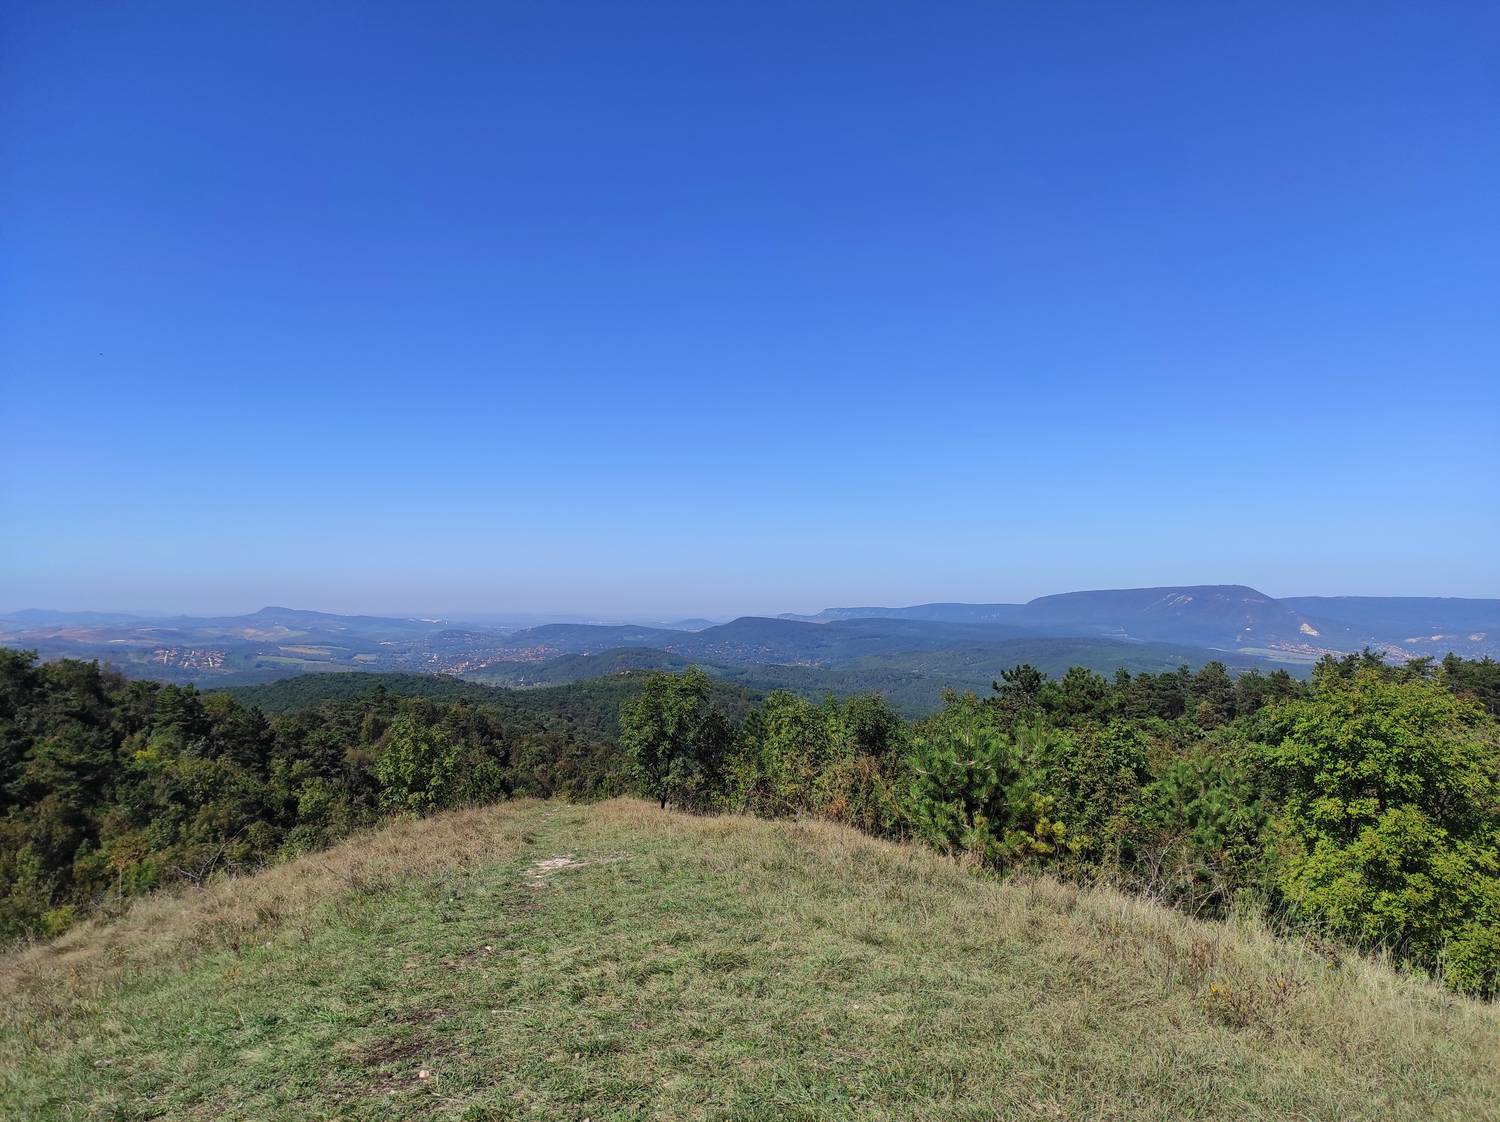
{"x": 544, "y": 960}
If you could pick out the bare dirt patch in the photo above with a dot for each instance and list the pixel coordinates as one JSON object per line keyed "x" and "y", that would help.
{"x": 393, "y": 1051}
{"x": 538, "y": 872}
{"x": 403, "y": 1063}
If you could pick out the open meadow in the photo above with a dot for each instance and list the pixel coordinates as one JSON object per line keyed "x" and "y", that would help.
{"x": 544, "y": 960}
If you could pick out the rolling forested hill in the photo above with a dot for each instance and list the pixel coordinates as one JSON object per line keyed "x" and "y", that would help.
{"x": 590, "y": 705}
{"x": 914, "y": 682}
{"x": 1136, "y": 629}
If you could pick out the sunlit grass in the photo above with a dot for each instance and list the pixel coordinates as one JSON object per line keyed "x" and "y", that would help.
{"x": 681, "y": 967}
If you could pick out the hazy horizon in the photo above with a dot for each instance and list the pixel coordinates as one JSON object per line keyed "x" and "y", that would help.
{"x": 665, "y": 311}
{"x": 665, "y": 615}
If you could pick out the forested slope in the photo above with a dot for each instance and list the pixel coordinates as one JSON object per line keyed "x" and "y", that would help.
{"x": 1364, "y": 803}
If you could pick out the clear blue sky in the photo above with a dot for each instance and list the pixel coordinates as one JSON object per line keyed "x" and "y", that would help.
{"x": 649, "y": 309}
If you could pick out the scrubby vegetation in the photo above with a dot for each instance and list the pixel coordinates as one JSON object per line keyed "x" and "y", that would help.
{"x": 1362, "y": 806}
{"x": 110, "y": 788}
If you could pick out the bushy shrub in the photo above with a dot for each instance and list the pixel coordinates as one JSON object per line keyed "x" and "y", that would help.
{"x": 839, "y": 760}
{"x": 1390, "y": 830}
{"x": 973, "y": 793}
{"x": 424, "y": 767}
{"x": 1093, "y": 774}
{"x": 781, "y": 759}
{"x": 1202, "y": 820}
{"x": 867, "y": 769}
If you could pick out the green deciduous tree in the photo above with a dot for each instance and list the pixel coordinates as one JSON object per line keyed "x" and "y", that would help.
{"x": 1391, "y": 824}
{"x": 425, "y": 766}
{"x": 675, "y": 740}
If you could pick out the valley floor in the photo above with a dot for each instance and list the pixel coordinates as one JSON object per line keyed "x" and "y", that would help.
{"x": 544, "y": 961}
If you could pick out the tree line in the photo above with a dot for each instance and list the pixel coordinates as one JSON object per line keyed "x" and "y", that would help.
{"x": 110, "y": 788}
{"x": 1363, "y": 803}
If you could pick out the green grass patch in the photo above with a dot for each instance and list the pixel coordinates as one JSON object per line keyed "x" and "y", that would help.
{"x": 544, "y": 961}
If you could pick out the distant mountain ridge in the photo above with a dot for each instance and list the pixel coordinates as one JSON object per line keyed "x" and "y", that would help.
{"x": 1232, "y": 617}
{"x": 1226, "y": 616}
{"x": 1188, "y": 623}
{"x": 944, "y": 613}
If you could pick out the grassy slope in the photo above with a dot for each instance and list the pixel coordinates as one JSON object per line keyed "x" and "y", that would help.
{"x": 705, "y": 968}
